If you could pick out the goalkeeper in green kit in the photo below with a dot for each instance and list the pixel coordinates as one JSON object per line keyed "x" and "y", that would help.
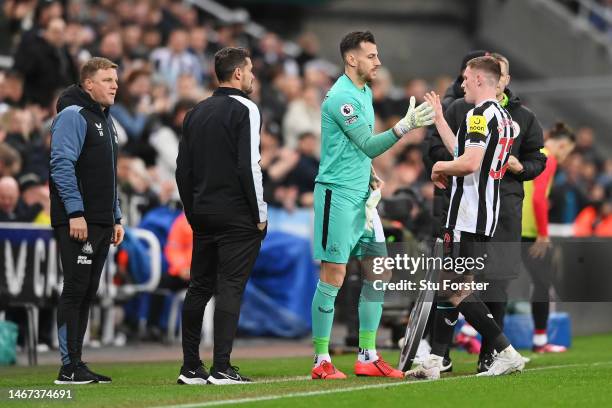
{"x": 345, "y": 197}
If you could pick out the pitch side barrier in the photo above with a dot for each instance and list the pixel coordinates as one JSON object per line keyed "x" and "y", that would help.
{"x": 31, "y": 275}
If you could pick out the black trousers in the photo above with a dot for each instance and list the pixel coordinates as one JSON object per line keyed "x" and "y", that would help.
{"x": 225, "y": 247}
{"x": 540, "y": 272}
{"x": 82, "y": 264}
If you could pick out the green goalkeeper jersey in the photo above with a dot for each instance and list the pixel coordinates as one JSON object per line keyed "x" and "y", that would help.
{"x": 343, "y": 164}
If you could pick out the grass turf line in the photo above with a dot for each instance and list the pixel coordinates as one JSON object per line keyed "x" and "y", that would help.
{"x": 153, "y": 384}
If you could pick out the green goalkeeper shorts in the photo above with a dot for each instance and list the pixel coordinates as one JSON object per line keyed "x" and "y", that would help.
{"x": 340, "y": 227}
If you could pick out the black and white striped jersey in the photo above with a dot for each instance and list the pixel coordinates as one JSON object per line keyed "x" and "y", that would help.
{"x": 475, "y": 199}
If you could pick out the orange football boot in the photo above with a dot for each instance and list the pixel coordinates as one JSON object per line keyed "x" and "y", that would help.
{"x": 378, "y": 368}
{"x": 327, "y": 371}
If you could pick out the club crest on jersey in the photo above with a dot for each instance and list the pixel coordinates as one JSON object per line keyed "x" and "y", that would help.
{"x": 99, "y": 128}
{"x": 86, "y": 248}
{"x": 347, "y": 109}
{"x": 477, "y": 124}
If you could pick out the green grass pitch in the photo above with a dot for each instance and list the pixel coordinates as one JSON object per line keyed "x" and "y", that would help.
{"x": 581, "y": 377}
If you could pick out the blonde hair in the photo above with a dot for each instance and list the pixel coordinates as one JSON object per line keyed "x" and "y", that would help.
{"x": 95, "y": 64}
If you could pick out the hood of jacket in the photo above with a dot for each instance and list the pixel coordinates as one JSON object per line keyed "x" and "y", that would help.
{"x": 454, "y": 91}
{"x": 75, "y": 95}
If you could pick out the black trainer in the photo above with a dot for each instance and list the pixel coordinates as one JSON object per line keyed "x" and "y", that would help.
{"x": 191, "y": 376}
{"x": 100, "y": 379}
{"x": 447, "y": 365}
{"x": 74, "y": 374}
{"x": 227, "y": 376}
{"x": 485, "y": 362}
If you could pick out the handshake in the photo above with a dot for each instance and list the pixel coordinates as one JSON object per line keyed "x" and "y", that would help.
{"x": 416, "y": 117}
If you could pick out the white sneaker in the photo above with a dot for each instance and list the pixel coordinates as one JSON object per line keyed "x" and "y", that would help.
{"x": 507, "y": 362}
{"x": 422, "y": 352}
{"x": 428, "y": 370}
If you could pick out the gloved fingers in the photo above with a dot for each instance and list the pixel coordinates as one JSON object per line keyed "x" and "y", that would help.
{"x": 412, "y": 103}
{"x": 424, "y": 107}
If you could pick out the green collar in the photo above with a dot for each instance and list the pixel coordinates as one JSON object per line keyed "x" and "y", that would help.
{"x": 504, "y": 100}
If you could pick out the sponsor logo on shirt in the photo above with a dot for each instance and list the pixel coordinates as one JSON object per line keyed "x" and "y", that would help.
{"x": 82, "y": 260}
{"x": 351, "y": 120}
{"x": 477, "y": 124}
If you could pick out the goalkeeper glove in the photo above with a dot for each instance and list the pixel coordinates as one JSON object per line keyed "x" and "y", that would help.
{"x": 422, "y": 115}
{"x": 371, "y": 204}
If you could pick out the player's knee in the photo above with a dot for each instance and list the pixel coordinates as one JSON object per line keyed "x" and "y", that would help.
{"x": 332, "y": 273}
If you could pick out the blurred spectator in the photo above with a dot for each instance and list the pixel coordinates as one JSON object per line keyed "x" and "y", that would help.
{"x": 416, "y": 87}
{"x": 35, "y": 195}
{"x": 11, "y": 17}
{"x": 12, "y": 208}
{"x": 309, "y": 50}
{"x": 135, "y": 105}
{"x": 198, "y": 46}
{"x": 174, "y": 59}
{"x": 388, "y": 103}
{"x": 272, "y": 59}
{"x": 46, "y": 64}
{"x": 568, "y": 194}
{"x": 408, "y": 172}
{"x": 605, "y": 178}
{"x": 10, "y": 160}
{"x": 135, "y": 190}
{"x": 292, "y": 173}
{"x": 303, "y": 174}
{"x": 111, "y": 47}
{"x": 178, "y": 253}
{"x": 276, "y": 98}
{"x": 131, "y": 37}
{"x": 596, "y": 218}
{"x": 303, "y": 115}
{"x": 585, "y": 138}
{"x": 187, "y": 88}
{"x": 77, "y": 37}
{"x": 11, "y": 90}
{"x": 178, "y": 249}
{"x": 165, "y": 142}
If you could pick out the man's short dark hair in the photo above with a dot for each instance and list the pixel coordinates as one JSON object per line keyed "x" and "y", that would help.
{"x": 353, "y": 40}
{"x": 227, "y": 60}
{"x": 487, "y": 64}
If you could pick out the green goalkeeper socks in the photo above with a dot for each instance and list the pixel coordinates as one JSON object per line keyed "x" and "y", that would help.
{"x": 323, "y": 316}
{"x": 370, "y": 310}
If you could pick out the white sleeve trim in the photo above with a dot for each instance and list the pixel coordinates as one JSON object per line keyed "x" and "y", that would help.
{"x": 255, "y": 121}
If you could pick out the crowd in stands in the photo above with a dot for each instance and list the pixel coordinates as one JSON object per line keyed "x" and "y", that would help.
{"x": 165, "y": 51}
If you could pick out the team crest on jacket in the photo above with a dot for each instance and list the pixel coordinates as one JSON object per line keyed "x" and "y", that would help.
{"x": 86, "y": 248}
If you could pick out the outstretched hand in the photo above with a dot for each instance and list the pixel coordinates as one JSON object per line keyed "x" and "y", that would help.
{"x": 434, "y": 100}
{"x": 416, "y": 117}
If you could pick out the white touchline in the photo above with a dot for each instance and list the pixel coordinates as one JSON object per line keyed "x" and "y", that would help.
{"x": 339, "y": 390}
